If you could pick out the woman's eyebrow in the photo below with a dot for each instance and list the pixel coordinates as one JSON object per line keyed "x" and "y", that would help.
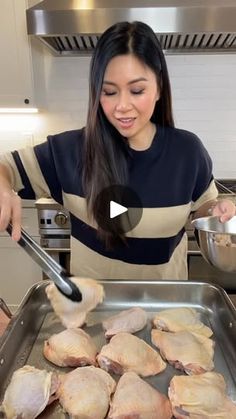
{"x": 130, "y": 82}
{"x": 137, "y": 80}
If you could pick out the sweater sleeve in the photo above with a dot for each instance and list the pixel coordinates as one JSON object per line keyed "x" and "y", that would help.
{"x": 26, "y": 176}
{"x": 47, "y": 169}
{"x": 204, "y": 189}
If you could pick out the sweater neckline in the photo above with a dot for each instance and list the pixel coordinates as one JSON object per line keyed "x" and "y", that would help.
{"x": 155, "y": 146}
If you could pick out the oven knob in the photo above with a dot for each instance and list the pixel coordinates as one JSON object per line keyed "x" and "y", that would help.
{"x": 60, "y": 219}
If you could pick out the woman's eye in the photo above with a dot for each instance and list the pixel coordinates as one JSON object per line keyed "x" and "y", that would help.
{"x": 137, "y": 92}
{"x": 106, "y": 93}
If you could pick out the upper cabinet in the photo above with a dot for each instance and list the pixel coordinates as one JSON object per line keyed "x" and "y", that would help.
{"x": 16, "y": 76}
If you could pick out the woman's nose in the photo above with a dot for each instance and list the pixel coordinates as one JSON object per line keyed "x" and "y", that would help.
{"x": 123, "y": 102}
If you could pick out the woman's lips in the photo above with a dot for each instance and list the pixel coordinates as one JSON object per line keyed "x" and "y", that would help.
{"x": 126, "y": 122}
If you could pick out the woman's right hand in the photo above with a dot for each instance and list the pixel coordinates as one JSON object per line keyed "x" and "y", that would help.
{"x": 10, "y": 211}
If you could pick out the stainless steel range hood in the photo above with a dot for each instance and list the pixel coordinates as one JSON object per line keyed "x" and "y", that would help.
{"x": 72, "y": 27}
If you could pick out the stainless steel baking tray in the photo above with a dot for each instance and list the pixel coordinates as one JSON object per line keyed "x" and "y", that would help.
{"x": 35, "y": 321}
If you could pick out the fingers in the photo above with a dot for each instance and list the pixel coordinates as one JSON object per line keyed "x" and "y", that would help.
{"x": 224, "y": 218}
{"x": 16, "y": 221}
{"x": 225, "y": 210}
{"x": 10, "y": 211}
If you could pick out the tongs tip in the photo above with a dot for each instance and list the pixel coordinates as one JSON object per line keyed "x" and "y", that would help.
{"x": 74, "y": 294}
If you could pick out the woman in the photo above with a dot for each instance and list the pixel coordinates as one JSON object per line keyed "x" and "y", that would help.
{"x": 130, "y": 140}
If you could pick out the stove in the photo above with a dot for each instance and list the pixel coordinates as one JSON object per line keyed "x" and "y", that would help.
{"x": 54, "y": 225}
{"x": 226, "y": 186}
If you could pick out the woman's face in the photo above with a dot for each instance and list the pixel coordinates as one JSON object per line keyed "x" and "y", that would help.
{"x": 129, "y": 95}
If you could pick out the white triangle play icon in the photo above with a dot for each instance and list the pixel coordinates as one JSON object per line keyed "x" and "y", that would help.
{"x": 116, "y": 209}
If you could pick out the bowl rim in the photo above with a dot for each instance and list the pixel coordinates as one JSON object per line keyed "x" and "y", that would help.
{"x": 210, "y": 230}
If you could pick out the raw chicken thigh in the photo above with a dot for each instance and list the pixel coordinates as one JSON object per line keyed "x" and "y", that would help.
{"x": 29, "y": 392}
{"x": 85, "y": 392}
{"x": 130, "y": 321}
{"x": 185, "y": 351}
{"x": 134, "y": 398}
{"x": 73, "y": 314}
{"x": 126, "y": 352}
{"x": 70, "y": 348}
{"x": 183, "y": 318}
{"x": 200, "y": 397}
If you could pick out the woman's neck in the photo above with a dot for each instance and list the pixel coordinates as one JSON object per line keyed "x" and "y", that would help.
{"x": 144, "y": 140}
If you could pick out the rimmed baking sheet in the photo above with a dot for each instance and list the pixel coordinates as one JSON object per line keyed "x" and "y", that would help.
{"x": 35, "y": 321}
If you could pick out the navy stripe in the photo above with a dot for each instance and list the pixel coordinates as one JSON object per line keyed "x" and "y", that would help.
{"x": 162, "y": 176}
{"x": 27, "y": 192}
{"x": 139, "y": 251}
{"x": 46, "y": 161}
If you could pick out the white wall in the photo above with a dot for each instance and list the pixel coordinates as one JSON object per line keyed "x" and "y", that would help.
{"x": 204, "y": 100}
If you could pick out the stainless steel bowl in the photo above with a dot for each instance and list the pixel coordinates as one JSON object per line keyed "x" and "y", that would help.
{"x": 217, "y": 241}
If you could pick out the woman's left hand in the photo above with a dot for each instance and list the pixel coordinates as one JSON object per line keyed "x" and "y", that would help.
{"x": 224, "y": 209}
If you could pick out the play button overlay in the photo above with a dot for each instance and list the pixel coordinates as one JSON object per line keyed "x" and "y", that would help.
{"x": 116, "y": 209}
{"x": 119, "y": 209}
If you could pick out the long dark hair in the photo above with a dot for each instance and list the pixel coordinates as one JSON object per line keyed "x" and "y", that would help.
{"x": 105, "y": 152}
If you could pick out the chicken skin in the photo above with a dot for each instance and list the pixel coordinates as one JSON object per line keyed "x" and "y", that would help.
{"x": 85, "y": 392}
{"x": 73, "y": 314}
{"x": 126, "y": 352}
{"x": 134, "y": 398}
{"x": 70, "y": 348}
{"x": 182, "y": 318}
{"x": 200, "y": 397}
{"x": 185, "y": 351}
{"x": 129, "y": 321}
{"x": 29, "y": 392}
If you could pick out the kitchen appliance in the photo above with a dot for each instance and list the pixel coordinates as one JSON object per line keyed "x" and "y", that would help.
{"x": 72, "y": 27}
{"x": 54, "y": 230}
{"x": 35, "y": 322}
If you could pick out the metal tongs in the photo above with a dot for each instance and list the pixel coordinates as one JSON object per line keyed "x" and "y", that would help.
{"x": 50, "y": 267}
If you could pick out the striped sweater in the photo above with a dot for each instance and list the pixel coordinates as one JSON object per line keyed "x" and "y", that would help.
{"x": 172, "y": 178}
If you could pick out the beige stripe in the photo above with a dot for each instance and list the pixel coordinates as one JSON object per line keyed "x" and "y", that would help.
{"x": 161, "y": 222}
{"x": 155, "y": 222}
{"x": 32, "y": 169}
{"x": 77, "y": 206}
{"x": 209, "y": 194}
{"x": 88, "y": 263}
{"x": 34, "y": 173}
{"x": 9, "y": 162}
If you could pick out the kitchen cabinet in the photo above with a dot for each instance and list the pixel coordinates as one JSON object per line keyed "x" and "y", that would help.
{"x": 16, "y": 75}
{"x": 18, "y": 272}
{"x": 201, "y": 270}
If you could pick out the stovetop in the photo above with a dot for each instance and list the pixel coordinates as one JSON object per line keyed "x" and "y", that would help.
{"x": 226, "y": 185}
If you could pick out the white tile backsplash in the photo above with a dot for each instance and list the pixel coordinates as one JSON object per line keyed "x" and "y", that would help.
{"x": 204, "y": 101}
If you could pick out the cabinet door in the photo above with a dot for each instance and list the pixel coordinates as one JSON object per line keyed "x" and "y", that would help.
{"x": 18, "y": 272}
{"x": 16, "y": 80}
